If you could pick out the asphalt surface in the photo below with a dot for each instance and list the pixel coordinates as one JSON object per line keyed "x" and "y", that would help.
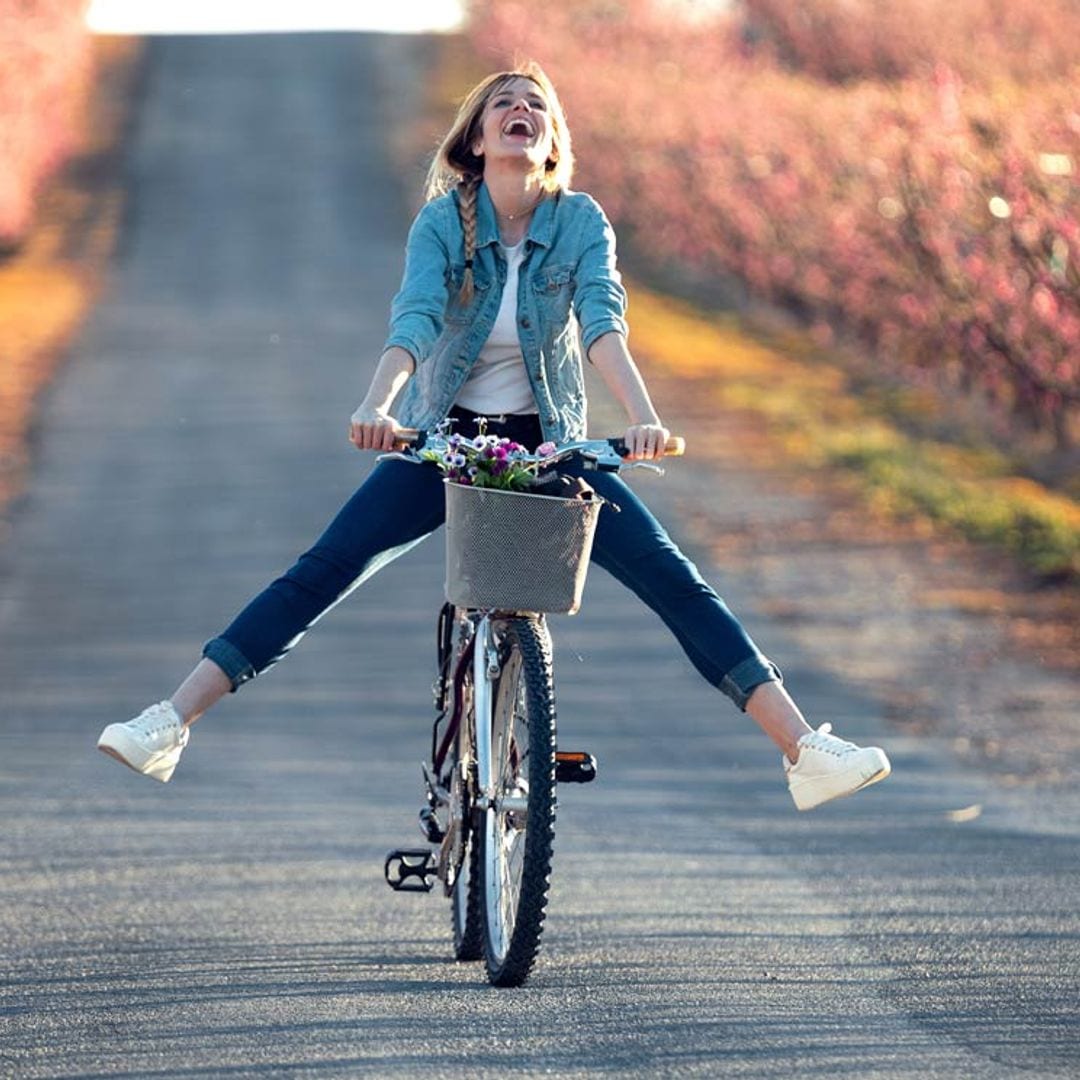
{"x": 234, "y": 922}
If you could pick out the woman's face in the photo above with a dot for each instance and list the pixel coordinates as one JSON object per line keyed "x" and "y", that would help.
{"x": 516, "y": 125}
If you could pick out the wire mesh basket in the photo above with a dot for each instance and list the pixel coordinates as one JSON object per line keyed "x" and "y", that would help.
{"x": 516, "y": 551}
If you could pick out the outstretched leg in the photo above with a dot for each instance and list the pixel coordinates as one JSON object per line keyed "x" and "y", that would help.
{"x": 636, "y": 549}
{"x": 398, "y": 505}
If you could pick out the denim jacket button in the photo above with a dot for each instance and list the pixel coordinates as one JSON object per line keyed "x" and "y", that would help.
{"x": 525, "y": 322}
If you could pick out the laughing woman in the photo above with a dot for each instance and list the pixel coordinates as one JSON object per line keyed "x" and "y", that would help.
{"x": 510, "y": 280}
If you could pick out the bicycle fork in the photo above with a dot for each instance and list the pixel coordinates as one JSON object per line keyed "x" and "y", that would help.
{"x": 486, "y": 670}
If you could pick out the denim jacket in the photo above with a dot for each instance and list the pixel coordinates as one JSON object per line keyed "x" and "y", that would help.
{"x": 569, "y": 294}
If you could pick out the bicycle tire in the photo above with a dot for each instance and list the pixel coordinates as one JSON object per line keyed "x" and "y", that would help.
{"x": 465, "y": 901}
{"x": 466, "y": 918}
{"x": 515, "y": 848}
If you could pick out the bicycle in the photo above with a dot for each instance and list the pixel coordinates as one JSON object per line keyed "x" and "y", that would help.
{"x": 490, "y": 783}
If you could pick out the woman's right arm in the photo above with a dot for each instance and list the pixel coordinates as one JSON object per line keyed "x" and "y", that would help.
{"x": 372, "y": 427}
{"x": 416, "y": 318}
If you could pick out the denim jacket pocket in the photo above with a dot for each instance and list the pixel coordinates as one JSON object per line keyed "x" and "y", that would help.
{"x": 553, "y": 291}
{"x": 553, "y": 280}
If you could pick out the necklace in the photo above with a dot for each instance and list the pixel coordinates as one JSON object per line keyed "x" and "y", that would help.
{"x": 520, "y": 213}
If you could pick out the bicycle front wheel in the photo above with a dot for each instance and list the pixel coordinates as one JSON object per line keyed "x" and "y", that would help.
{"x": 518, "y": 829}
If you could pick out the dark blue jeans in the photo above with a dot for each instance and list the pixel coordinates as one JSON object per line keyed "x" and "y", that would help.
{"x": 401, "y": 503}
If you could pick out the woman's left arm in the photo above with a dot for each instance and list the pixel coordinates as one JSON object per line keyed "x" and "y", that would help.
{"x": 646, "y": 436}
{"x": 600, "y": 305}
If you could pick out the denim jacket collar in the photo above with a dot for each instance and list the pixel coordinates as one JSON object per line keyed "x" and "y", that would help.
{"x": 541, "y": 227}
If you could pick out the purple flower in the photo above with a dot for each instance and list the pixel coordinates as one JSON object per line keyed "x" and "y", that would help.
{"x": 546, "y": 449}
{"x": 499, "y": 453}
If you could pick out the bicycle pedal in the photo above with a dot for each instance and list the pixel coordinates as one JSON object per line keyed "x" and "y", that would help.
{"x": 411, "y": 869}
{"x": 574, "y": 767}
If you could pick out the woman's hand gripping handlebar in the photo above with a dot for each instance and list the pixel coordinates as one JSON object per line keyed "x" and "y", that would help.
{"x": 373, "y": 430}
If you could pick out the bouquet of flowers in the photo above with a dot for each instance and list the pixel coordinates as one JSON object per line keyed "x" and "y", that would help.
{"x": 487, "y": 461}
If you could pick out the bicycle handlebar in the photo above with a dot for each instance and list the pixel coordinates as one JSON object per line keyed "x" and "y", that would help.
{"x": 415, "y": 439}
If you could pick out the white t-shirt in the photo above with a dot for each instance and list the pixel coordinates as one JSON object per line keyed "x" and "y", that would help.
{"x": 498, "y": 382}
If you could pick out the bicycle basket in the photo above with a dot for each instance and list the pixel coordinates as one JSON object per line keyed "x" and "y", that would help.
{"x": 516, "y": 551}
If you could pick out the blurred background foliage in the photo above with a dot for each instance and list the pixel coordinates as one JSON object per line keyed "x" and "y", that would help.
{"x": 44, "y": 77}
{"x": 900, "y": 176}
{"x": 898, "y": 173}
{"x": 64, "y": 102}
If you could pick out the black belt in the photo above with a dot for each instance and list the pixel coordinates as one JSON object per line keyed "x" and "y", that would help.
{"x": 521, "y": 427}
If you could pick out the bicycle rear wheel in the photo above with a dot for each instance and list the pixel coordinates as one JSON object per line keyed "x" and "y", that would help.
{"x": 465, "y": 891}
{"x": 517, "y": 832}
{"x": 468, "y": 932}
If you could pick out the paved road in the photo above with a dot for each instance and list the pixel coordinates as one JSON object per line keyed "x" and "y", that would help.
{"x": 234, "y": 923}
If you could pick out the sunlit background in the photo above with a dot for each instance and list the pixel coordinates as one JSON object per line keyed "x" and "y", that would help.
{"x": 251, "y": 16}
{"x": 899, "y": 178}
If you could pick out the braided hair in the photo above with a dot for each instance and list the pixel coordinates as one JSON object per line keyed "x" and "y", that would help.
{"x": 467, "y": 191}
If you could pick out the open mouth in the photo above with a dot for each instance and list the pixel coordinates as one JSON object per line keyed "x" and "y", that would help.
{"x": 520, "y": 126}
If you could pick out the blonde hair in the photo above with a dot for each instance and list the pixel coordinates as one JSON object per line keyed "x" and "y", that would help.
{"x": 456, "y": 166}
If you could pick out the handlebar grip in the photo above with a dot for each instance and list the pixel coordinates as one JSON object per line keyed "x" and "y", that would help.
{"x": 675, "y": 446}
{"x": 406, "y": 437}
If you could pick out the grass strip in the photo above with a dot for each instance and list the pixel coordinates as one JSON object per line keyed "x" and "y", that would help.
{"x": 815, "y": 419}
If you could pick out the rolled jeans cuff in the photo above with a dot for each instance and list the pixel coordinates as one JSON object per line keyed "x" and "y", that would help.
{"x": 746, "y": 676}
{"x": 238, "y": 669}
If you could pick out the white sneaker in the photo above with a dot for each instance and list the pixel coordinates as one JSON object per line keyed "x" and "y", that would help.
{"x": 150, "y": 744}
{"x": 829, "y": 767}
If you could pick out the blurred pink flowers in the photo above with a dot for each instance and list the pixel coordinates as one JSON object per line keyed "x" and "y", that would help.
{"x": 46, "y": 56}
{"x": 903, "y": 174}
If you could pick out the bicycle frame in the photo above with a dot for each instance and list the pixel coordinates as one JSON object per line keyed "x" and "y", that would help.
{"x": 501, "y": 746}
{"x": 485, "y": 667}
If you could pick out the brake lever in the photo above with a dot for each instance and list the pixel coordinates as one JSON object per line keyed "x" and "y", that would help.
{"x": 608, "y": 461}
{"x": 611, "y": 460}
